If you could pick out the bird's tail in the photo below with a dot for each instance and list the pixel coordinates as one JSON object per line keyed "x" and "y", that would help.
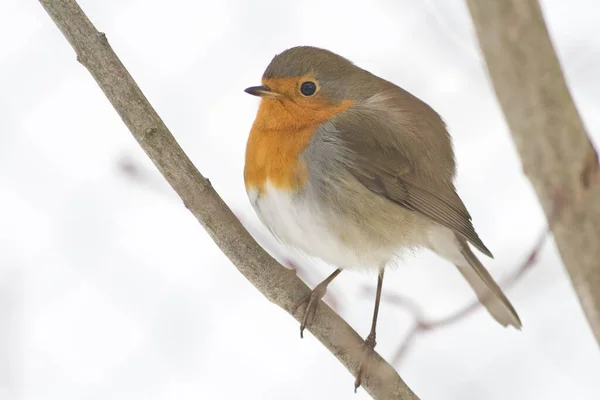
{"x": 487, "y": 290}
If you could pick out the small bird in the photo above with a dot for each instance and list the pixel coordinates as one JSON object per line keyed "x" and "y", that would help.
{"x": 352, "y": 169}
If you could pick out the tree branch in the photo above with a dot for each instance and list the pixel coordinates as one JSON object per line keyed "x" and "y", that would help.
{"x": 280, "y": 285}
{"x": 557, "y": 155}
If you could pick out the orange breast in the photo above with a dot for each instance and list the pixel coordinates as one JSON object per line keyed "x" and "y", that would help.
{"x": 281, "y": 131}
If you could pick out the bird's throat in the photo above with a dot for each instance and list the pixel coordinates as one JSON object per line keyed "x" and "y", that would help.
{"x": 281, "y": 132}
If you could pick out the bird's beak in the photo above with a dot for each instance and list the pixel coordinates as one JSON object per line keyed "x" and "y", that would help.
{"x": 261, "y": 91}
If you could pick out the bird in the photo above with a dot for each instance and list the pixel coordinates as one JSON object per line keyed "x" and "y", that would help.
{"x": 353, "y": 170}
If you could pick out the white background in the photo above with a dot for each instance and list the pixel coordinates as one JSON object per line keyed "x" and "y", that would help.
{"x": 109, "y": 289}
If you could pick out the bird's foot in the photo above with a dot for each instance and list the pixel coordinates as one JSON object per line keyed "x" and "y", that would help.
{"x": 365, "y": 361}
{"x": 312, "y": 304}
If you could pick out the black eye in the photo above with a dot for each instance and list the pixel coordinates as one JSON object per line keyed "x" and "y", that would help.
{"x": 308, "y": 88}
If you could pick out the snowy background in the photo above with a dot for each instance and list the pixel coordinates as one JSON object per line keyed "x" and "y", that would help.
{"x": 109, "y": 289}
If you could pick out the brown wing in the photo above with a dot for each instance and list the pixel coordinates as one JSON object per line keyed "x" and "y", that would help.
{"x": 405, "y": 172}
{"x": 448, "y": 212}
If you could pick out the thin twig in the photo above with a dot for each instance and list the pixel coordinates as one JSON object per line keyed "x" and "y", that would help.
{"x": 423, "y": 325}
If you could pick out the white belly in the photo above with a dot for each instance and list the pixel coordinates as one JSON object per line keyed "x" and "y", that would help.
{"x": 300, "y": 223}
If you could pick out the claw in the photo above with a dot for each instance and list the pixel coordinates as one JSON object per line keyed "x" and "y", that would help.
{"x": 310, "y": 311}
{"x": 313, "y": 299}
{"x": 365, "y": 360}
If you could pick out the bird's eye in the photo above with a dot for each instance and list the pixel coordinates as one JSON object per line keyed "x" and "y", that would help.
{"x": 308, "y": 88}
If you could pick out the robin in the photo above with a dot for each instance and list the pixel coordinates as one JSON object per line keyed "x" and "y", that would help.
{"x": 352, "y": 169}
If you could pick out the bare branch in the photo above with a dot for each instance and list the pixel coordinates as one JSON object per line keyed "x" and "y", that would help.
{"x": 422, "y": 325}
{"x": 280, "y": 285}
{"x": 557, "y": 154}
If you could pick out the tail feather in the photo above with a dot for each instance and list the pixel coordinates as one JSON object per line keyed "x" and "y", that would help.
{"x": 487, "y": 290}
{"x": 455, "y": 249}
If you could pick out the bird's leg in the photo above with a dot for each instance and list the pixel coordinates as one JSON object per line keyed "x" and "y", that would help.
{"x": 313, "y": 300}
{"x": 369, "y": 345}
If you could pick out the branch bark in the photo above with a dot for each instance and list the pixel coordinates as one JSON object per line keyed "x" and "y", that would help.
{"x": 278, "y": 284}
{"x": 557, "y": 155}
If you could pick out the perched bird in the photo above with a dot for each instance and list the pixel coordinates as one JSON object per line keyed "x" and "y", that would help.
{"x": 352, "y": 169}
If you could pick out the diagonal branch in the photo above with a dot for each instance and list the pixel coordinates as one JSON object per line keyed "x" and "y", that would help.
{"x": 278, "y": 284}
{"x": 557, "y": 154}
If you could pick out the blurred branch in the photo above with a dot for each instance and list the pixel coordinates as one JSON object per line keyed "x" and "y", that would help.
{"x": 422, "y": 325}
{"x": 557, "y": 154}
{"x": 280, "y": 285}
{"x": 130, "y": 169}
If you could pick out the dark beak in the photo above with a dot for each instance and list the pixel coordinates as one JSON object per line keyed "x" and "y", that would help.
{"x": 261, "y": 91}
